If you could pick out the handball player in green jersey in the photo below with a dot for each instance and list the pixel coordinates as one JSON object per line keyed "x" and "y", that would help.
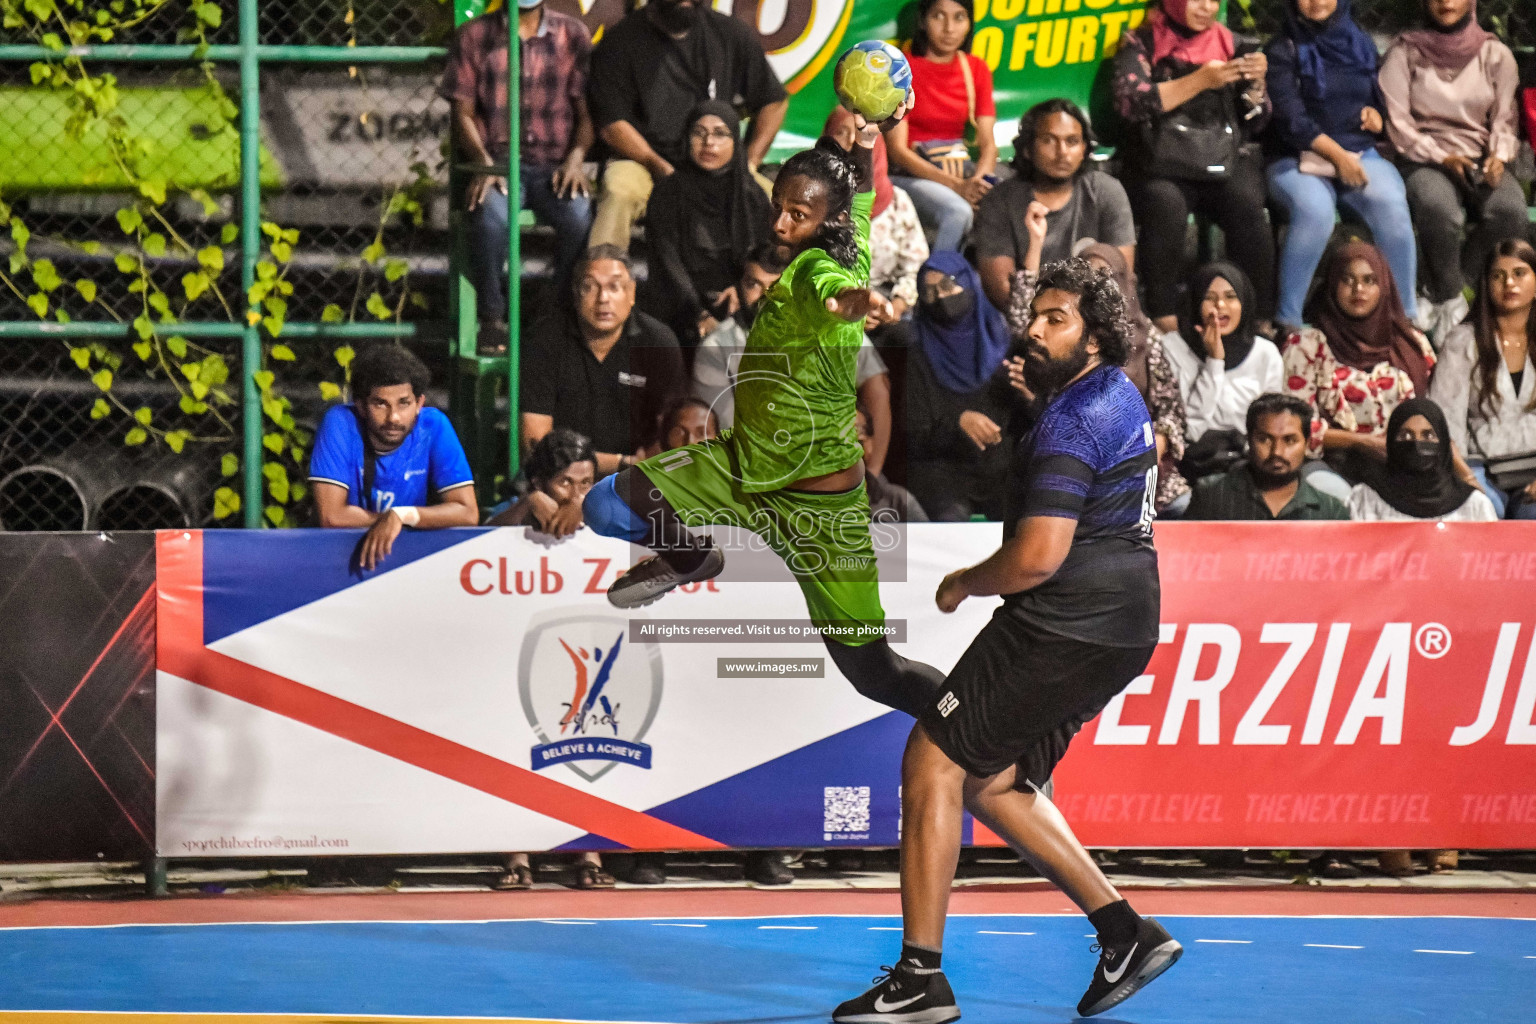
{"x": 791, "y": 468}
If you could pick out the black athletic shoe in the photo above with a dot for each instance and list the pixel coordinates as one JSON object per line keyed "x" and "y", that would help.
{"x": 901, "y": 996}
{"x": 1123, "y": 970}
{"x": 648, "y": 581}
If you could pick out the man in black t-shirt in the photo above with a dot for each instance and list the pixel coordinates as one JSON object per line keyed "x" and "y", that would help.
{"x": 648, "y": 72}
{"x": 1079, "y": 621}
{"x": 604, "y": 369}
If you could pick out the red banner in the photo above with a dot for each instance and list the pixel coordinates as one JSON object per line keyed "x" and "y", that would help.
{"x": 1319, "y": 685}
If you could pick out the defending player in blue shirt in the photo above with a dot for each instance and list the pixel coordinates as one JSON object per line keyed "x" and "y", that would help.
{"x": 1079, "y": 621}
{"x": 378, "y": 462}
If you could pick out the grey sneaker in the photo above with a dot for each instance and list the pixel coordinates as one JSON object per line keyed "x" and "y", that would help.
{"x": 650, "y": 580}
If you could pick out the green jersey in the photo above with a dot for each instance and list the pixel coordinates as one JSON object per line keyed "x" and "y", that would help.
{"x": 797, "y": 381}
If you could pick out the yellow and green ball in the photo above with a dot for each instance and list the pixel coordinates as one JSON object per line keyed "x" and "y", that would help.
{"x": 872, "y": 79}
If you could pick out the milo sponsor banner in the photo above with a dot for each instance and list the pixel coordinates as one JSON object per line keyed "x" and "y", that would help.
{"x": 1036, "y": 48}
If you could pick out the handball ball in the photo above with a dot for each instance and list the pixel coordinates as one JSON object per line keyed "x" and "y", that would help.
{"x": 872, "y": 79}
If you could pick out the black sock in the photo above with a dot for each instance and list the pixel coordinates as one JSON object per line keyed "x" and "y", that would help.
{"x": 920, "y": 959}
{"x": 686, "y": 560}
{"x": 1116, "y": 923}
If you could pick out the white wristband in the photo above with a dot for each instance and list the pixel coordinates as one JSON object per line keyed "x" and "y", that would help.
{"x": 410, "y": 515}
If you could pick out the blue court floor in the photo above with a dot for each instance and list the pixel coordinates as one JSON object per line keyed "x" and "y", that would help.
{"x": 1004, "y": 969}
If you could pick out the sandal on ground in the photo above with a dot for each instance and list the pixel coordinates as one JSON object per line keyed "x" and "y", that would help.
{"x": 1328, "y": 866}
{"x": 519, "y": 876}
{"x": 1443, "y": 862}
{"x": 591, "y": 876}
{"x": 1395, "y": 863}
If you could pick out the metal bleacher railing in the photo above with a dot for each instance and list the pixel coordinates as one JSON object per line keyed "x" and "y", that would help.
{"x": 203, "y": 207}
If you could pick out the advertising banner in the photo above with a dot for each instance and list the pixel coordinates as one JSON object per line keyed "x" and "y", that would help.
{"x": 1318, "y": 685}
{"x": 77, "y": 696}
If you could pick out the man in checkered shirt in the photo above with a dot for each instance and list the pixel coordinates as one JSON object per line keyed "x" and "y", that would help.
{"x": 556, "y": 134}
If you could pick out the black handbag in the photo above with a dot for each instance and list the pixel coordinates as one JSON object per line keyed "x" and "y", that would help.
{"x": 1216, "y": 452}
{"x": 1512, "y": 472}
{"x": 1191, "y": 145}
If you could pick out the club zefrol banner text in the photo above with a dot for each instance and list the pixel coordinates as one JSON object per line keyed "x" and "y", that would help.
{"x": 1316, "y": 685}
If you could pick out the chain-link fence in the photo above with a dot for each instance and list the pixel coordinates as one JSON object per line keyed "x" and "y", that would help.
{"x": 128, "y": 285}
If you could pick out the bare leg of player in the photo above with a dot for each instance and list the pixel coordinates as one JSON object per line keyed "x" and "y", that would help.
{"x": 1036, "y": 831}
{"x": 932, "y": 802}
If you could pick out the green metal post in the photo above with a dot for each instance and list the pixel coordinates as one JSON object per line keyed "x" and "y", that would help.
{"x": 514, "y": 236}
{"x": 250, "y": 251}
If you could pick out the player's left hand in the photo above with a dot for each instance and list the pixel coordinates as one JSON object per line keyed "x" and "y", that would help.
{"x": 950, "y": 592}
{"x": 859, "y": 304}
{"x": 379, "y": 541}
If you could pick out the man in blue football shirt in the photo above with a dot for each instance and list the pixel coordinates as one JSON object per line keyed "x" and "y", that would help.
{"x": 386, "y": 461}
{"x": 1079, "y": 621}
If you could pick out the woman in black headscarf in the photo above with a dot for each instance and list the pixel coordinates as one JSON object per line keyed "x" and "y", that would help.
{"x": 1419, "y": 479}
{"x": 1222, "y": 364}
{"x": 701, "y": 223}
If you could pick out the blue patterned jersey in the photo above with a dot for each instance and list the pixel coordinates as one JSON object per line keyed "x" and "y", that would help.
{"x": 1091, "y": 457}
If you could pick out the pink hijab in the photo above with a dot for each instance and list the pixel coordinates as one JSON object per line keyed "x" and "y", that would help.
{"x": 1453, "y": 49}
{"x": 1171, "y": 37}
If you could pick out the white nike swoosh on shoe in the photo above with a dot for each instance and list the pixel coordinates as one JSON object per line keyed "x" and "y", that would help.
{"x": 1114, "y": 978}
{"x": 882, "y": 1006}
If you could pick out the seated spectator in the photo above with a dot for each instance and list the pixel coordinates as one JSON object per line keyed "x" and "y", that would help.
{"x": 604, "y": 369}
{"x": 1419, "y": 478}
{"x": 1148, "y": 367}
{"x": 1486, "y": 378}
{"x": 378, "y": 462}
{"x": 1180, "y": 70}
{"x": 954, "y": 95}
{"x": 1268, "y": 483}
{"x": 557, "y": 133}
{"x": 1221, "y": 362}
{"x": 897, "y": 245}
{"x": 717, "y": 360}
{"x": 703, "y": 220}
{"x": 648, "y": 72}
{"x": 958, "y": 395}
{"x": 687, "y": 421}
{"x": 561, "y": 468}
{"x": 1449, "y": 89}
{"x": 1054, "y": 182}
{"x": 1354, "y": 366}
{"x": 1322, "y": 144}
{"x": 888, "y": 502}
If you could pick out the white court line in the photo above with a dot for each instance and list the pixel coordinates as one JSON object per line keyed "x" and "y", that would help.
{"x": 551, "y": 921}
{"x": 434, "y": 922}
{"x": 1449, "y": 952}
{"x": 676, "y": 924}
{"x": 1328, "y": 945}
{"x": 883, "y": 928}
{"x": 786, "y": 927}
{"x": 1228, "y": 942}
{"x": 1004, "y": 933}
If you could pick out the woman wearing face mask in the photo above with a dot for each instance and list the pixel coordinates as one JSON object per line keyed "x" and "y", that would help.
{"x": 1222, "y": 364}
{"x": 1179, "y": 77}
{"x": 1450, "y": 91}
{"x": 1322, "y": 147}
{"x": 1419, "y": 478}
{"x": 1360, "y": 360}
{"x": 1486, "y": 378}
{"x": 959, "y": 399}
{"x": 702, "y": 221}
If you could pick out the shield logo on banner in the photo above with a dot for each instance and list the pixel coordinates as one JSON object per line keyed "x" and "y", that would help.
{"x": 589, "y": 693}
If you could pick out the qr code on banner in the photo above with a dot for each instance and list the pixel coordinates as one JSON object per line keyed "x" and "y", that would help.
{"x": 845, "y": 809}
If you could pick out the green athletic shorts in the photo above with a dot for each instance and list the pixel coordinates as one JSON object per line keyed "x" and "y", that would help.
{"x": 823, "y": 537}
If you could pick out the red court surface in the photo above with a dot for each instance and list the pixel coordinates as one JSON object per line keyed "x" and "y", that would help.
{"x": 629, "y": 903}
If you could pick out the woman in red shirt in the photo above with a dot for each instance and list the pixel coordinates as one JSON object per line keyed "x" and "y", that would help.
{"x": 954, "y": 90}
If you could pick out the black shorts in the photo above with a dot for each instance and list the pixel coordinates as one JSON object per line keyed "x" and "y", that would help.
{"x": 1020, "y": 693}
